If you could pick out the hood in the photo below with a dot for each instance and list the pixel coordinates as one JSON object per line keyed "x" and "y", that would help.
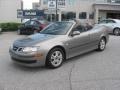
{"x": 33, "y": 39}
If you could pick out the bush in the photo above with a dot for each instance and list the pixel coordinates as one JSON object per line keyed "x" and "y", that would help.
{"x": 9, "y": 26}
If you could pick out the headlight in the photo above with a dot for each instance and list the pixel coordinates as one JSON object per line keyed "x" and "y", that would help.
{"x": 30, "y": 49}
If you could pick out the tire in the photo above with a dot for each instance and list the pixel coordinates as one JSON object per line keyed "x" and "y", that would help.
{"x": 19, "y": 32}
{"x": 102, "y": 44}
{"x": 117, "y": 31}
{"x": 55, "y": 58}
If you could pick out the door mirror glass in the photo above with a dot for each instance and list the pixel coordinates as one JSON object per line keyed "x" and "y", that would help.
{"x": 75, "y": 33}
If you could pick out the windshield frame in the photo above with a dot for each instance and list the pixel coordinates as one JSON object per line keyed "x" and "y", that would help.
{"x": 29, "y": 22}
{"x": 69, "y": 28}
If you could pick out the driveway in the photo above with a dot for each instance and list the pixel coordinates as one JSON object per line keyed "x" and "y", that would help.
{"x": 90, "y": 71}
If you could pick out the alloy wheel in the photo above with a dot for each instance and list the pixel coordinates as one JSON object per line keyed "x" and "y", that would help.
{"x": 102, "y": 44}
{"x": 117, "y": 32}
{"x": 56, "y": 58}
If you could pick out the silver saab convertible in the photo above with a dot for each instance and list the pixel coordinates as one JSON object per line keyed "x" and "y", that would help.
{"x": 58, "y": 42}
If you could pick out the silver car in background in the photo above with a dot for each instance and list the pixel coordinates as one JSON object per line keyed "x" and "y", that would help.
{"x": 113, "y": 24}
{"x": 57, "y": 42}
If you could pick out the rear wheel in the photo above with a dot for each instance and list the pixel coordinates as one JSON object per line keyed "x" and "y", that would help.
{"x": 102, "y": 44}
{"x": 55, "y": 58}
{"x": 117, "y": 31}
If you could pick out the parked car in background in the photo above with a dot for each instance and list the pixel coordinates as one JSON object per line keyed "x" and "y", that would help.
{"x": 57, "y": 42}
{"x": 32, "y": 26}
{"x": 113, "y": 24}
{"x": 25, "y": 20}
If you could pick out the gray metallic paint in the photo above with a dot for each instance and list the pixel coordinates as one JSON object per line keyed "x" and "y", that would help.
{"x": 73, "y": 45}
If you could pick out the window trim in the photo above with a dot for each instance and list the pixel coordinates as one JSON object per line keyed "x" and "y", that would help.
{"x": 83, "y": 15}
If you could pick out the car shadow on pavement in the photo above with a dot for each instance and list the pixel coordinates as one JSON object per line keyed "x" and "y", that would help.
{"x": 76, "y": 58}
{"x": 28, "y": 69}
{"x": 43, "y": 68}
{"x": 113, "y": 35}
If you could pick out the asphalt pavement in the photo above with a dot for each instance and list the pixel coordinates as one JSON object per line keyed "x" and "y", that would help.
{"x": 91, "y": 71}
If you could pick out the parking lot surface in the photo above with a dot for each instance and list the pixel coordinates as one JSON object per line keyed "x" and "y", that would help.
{"x": 90, "y": 71}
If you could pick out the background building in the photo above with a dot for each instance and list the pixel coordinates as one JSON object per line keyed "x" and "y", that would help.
{"x": 8, "y": 10}
{"x": 86, "y": 10}
{"x": 35, "y": 5}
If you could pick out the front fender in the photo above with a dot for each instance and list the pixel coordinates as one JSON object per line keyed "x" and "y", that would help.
{"x": 47, "y": 46}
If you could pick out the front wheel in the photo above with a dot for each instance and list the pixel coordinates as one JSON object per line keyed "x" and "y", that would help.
{"x": 102, "y": 44}
{"x": 55, "y": 58}
{"x": 117, "y": 31}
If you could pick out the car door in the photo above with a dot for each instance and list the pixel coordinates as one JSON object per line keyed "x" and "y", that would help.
{"x": 95, "y": 34}
{"x": 111, "y": 23}
{"x": 79, "y": 43}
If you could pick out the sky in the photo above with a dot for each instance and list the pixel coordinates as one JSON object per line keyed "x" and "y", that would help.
{"x": 28, "y": 3}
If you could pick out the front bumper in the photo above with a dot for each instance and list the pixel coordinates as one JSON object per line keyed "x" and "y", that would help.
{"x": 30, "y": 60}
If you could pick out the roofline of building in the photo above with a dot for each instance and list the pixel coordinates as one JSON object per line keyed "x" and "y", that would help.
{"x": 111, "y": 4}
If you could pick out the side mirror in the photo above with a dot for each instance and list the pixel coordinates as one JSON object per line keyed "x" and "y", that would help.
{"x": 75, "y": 33}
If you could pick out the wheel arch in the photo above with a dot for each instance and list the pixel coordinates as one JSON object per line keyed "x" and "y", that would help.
{"x": 116, "y": 28}
{"x": 58, "y": 46}
{"x": 61, "y": 47}
{"x": 104, "y": 38}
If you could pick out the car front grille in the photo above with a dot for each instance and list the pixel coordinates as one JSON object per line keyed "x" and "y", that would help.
{"x": 19, "y": 49}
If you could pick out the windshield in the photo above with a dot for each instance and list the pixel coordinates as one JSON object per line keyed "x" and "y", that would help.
{"x": 30, "y": 22}
{"x": 57, "y": 28}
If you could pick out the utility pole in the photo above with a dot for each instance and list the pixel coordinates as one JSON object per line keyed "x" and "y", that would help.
{"x": 56, "y": 9}
{"x": 21, "y": 9}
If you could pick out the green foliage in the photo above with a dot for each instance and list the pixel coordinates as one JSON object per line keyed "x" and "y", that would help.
{"x": 10, "y": 26}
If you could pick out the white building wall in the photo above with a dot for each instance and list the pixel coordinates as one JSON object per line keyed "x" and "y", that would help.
{"x": 35, "y": 5}
{"x": 76, "y": 6}
{"x": 8, "y": 10}
{"x": 102, "y": 15}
